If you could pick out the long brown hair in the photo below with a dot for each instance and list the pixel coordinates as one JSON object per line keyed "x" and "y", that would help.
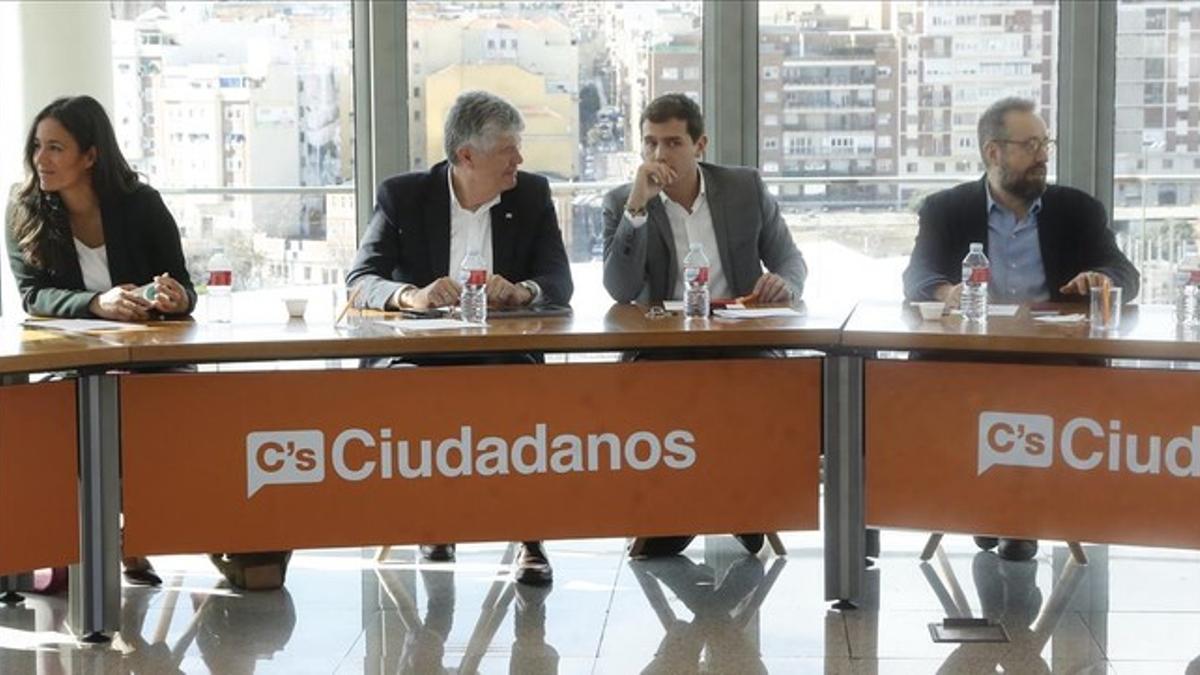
{"x": 41, "y": 227}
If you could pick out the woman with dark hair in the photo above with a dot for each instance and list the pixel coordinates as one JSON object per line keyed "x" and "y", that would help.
{"x": 84, "y": 233}
{"x": 86, "y": 238}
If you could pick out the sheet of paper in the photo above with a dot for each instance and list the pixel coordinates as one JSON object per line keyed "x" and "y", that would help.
{"x": 421, "y": 325}
{"x": 86, "y": 325}
{"x": 756, "y": 312}
{"x": 1062, "y": 318}
{"x": 994, "y": 310}
{"x": 673, "y": 305}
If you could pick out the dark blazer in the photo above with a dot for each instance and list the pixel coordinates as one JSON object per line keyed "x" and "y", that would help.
{"x": 141, "y": 241}
{"x": 1072, "y": 231}
{"x": 640, "y": 262}
{"x": 408, "y": 239}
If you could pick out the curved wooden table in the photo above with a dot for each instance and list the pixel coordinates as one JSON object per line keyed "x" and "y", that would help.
{"x": 96, "y": 593}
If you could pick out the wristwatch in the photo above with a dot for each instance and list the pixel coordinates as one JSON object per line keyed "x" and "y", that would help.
{"x": 533, "y": 288}
{"x": 638, "y": 213}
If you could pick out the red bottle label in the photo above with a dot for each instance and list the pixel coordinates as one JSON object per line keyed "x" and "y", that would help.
{"x": 1195, "y": 277}
{"x": 980, "y": 275}
{"x": 477, "y": 278}
{"x": 220, "y": 278}
{"x": 701, "y": 275}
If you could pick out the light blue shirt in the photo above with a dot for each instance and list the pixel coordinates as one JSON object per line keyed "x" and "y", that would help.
{"x": 1015, "y": 254}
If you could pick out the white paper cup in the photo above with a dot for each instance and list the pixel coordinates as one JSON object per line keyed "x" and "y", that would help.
{"x": 931, "y": 311}
{"x": 296, "y": 307}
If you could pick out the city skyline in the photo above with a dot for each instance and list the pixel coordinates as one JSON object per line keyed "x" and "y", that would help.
{"x": 250, "y": 94}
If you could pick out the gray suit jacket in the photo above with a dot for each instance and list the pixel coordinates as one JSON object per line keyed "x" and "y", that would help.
{"x": 640, "y": 262}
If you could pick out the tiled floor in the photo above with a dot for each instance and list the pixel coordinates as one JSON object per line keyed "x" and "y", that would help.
{"x": 715, "y": 610}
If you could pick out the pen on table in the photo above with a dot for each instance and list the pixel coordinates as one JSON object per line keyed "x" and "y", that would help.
{"x": 349, "y": 303}
{"x": 747, "y": 300}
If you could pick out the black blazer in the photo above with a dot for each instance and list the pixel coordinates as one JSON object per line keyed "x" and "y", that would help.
{"x": 1072, "y": 231}
{"x": 408, "y": 239}
{"x": 141, "y": 241}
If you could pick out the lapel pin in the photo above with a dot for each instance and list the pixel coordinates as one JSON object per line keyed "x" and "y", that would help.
{"x": 507, "y": 215}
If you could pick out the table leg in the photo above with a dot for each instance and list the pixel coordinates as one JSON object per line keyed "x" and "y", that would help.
{"x": 637, "y": 547}
{"x": 10, "y": 584}
{"x": 842, "y": 438}
{"x": 931, "y": 546}
{"x": 95, "y": 583}
{"x": 1077, "y": 552}
{"x": 776, "y": 543}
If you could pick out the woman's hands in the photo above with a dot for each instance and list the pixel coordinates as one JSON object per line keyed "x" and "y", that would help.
{"x": 126, "y": 303}
{"x": 121, "y": 303}
{"x": 169, "y": 295}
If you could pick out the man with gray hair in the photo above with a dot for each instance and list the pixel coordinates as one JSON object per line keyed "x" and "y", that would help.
{"x": 1043, "y": 242}
{"x": 425, "y": 223}
{"x": 475, "y": 202}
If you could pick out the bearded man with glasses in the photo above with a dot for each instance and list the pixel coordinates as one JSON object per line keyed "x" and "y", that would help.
{"x": 1043, "y": 242}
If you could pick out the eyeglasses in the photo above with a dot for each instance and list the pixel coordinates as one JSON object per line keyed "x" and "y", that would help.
{"x": 1032, "y": 145}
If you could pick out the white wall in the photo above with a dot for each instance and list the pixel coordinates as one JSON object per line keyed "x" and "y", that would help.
{"x": 66, "y": 49}
{"x": 12, "y": 133}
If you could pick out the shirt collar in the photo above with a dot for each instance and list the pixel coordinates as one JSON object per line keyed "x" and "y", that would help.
{"x": 455, "y": 206}
{"x": 700, "y": 197}
{"x": 1034, "y": 208}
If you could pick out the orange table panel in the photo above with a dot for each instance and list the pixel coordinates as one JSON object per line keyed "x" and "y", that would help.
{"x": 1057, "y": 452}
{"x": 280, "y": 460}
{"x": 38, "y": 468}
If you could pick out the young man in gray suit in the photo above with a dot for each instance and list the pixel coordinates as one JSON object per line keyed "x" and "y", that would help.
{"x": 674, "y": 200}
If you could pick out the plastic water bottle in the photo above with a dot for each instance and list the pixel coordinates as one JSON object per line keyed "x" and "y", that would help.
{"x": 975, "y": 277}
{"x": 695, "y": 283}
{"x": 472, "y": 274}
{"x": 1187, "y": 288}
{"x": 220, "y": 288}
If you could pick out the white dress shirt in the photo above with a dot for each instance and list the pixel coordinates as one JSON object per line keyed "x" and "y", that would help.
{"x": 689, "y": 226}
{"x": 93, "y": 262}
{"x": 469, "y": 230}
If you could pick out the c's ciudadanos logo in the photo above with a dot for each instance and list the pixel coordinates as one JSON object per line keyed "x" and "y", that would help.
{"x": 1015, "y": 439}
{"x": 284, "y": 457}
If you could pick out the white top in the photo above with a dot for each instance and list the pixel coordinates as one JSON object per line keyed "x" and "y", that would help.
{"x": 695, "y": 225}
{"x": 469, "y": 229}
{"x": 93, "y": 262}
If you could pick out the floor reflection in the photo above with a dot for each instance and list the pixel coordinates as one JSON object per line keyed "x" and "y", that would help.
{"x": 1009, "y": 595}
{"x": 716, "y": 638}
{"x": 233, "y": 640}
{"x": 418, "y": 645}
{"x": 231, "y": 635}
{"x": 423, "y": 643}
{"x": 712, "y": 610}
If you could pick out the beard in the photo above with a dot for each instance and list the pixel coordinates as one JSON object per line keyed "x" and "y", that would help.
{"x": 1028, "y": 184}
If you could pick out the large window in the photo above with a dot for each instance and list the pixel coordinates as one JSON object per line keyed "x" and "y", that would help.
{"x": 875, "y": 105}
{"x": 580, "y": 73}
{"x": 1157, "y": 136}
{"x": 241, "y": 115}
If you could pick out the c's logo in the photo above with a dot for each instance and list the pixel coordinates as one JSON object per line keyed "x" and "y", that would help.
{"x": 284, "y": 457}
{"x": 1015, "y": 439}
